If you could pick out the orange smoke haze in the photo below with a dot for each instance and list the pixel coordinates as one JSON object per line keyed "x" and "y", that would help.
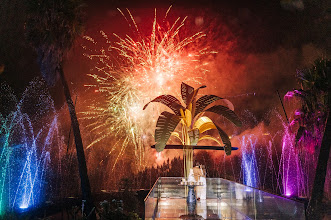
{"x": 248, "y": 79}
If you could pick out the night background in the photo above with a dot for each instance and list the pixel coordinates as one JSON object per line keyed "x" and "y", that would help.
{"x": 249, "y": 52}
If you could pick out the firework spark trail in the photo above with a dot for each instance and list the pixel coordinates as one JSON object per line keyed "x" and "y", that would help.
{"x": 131, "y": 72}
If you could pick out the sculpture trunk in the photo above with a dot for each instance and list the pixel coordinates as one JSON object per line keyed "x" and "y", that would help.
{"x": 191, "y": 138}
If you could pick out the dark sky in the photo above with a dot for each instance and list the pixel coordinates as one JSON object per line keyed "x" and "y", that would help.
{"x": 261, "y": 43}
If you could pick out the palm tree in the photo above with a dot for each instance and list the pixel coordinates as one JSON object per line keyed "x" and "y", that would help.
{"x": 192, "y": 122}
{"x": 313, "y": 94}
{"x": 52, "y": 27}
{"x": 313, "y": 117}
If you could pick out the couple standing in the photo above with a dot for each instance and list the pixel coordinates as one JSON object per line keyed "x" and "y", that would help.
{"x": 198, "y": 174}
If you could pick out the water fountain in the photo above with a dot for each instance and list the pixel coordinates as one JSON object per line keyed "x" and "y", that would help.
{"x": 274, "y": 161}
{"x": 249, "y": 165}
{"x": 298, "y": 163}
{"x": 26, "y": 142}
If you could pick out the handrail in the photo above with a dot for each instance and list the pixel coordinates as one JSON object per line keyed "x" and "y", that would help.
{"x": 152, "y": 189}
{"x": 232, "y": 182}
{"x": 243, "y": 185}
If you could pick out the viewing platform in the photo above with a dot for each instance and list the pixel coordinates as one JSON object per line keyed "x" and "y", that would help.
{"x": 225, "y": 200}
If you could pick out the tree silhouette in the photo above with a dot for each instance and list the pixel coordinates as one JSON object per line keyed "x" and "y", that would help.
{"x": 312, "y": 117}
{"x": 52, "y": 27}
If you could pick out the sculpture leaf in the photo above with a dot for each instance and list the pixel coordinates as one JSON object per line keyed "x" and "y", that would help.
{"x": 208, "y": 137}
{"x": 206, "y": 100}
{"x": 176, "y": 134}
{"x": 187, "y": 93}
{"x": 165, "y": 125}
{"x": 226, "y": 141}
{"x": 172, "y": 102}
{"x": 227, "y": 113}
{"x": 204, "y": 124}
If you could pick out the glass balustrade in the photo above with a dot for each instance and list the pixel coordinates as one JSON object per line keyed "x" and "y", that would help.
{"x": 225, "y": 200}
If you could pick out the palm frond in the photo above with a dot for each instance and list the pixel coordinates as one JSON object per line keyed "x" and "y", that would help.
{"x": 206, "y": 100}
{"x": 165, "y": 125}
{"x": 226, "y": 141}
{"x": 225, "y": 112}
{"x": 306, "y": 97}
{"x": 172, "y": 102}
{"x": 51, "y": 28}
{"x": 316, "y": 77}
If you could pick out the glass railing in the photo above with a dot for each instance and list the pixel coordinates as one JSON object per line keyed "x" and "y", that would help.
{"x": 225, "y": 200}
{"x": 151, "y": 201}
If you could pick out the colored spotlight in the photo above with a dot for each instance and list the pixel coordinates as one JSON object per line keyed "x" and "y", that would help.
{"x": 288, "y": 194}
{"x": 24, "y": 206}
{"x": 248, "y": 190}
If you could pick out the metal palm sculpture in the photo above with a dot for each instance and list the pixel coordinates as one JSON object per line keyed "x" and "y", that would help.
{"x": 192, "y": 125}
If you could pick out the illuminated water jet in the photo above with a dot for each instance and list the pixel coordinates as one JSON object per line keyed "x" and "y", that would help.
{"x": 25, "y": 150}
{"x": 274, "y": 161}
{"x": 249, "y": 165}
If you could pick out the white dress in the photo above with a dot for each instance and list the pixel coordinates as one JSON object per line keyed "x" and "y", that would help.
{"x": 191, "y": 176}
{"x": 201, "y": 191}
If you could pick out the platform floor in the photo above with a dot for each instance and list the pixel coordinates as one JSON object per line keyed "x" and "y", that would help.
{"x": 207, "y": 209}
{"x": 170, "y": 208}
{"x": 225, "y": 200}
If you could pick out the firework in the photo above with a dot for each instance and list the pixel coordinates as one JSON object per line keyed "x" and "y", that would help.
{"x": 131, "y": 71}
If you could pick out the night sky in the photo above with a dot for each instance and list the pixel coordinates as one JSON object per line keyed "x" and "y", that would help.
{"x": 260, "y": 44}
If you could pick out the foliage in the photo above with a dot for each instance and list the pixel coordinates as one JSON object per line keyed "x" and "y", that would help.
{"x": 313, "y": 94}
{"x": 52, "y": 27}
{"x": 313, "y": 118}
{"x": 114, "y": 211}
{"x": 128, "y": 195}
{"x": 13, "y": 216}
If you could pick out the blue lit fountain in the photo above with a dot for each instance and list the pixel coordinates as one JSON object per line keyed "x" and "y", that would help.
{"x": 28, "y": 131}
{"x": 249, "y": 166}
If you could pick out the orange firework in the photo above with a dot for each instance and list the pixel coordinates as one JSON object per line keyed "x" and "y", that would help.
{"x": 133, "y": 70}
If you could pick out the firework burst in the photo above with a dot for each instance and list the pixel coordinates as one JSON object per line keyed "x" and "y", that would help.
{"x": 131, "y": 71}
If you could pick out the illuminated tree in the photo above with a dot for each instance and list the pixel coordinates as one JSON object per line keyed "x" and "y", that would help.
{"x": 313, "y": 96}
{"x": 51, "y": 28}
{"x": 312, "y": 117}
{"x": 193, "y": 124}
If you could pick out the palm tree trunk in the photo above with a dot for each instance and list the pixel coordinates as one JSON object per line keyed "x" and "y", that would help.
{"x": 314, "y": 210}
{"x": 315, "y": 203}
{"x": 85, "y": 183}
